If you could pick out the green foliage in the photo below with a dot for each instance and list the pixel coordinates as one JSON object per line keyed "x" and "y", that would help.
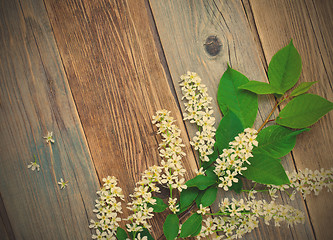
{"x": 160, "y": 206}
{"x": 187, "y": 197}
{"x": 242, "y": 103}
{"x": 304, "y": 111}
{"x": 260, "y": 88}
{"x": 265, "y": 170}
{"x": 230, "y": 126}
{"x": 121, "y": 234}
{"x": 197, "y": 231}
{"x": 191, "y": 225}
{"x": 199, "y": 197}
{"x": 171, "y": 226}
{"x": 302, "y": 88}
{"x": 201, "y": 182}
{"x": 209, "y": 196}
{"x": 210, "y": 172}
{"x": 276, "y": 141}
{"x": 285, "y": 68}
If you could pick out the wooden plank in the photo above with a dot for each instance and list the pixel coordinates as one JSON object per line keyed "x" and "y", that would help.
{"x": 6, "y": 230}
{"x": 184, "y": 27}
{"x": 35, "y": 99}
{"x": 117, "y": 82}
{"x": 309, "y": 24}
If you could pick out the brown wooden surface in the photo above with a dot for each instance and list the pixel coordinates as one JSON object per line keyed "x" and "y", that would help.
{"x": 118, "y": 84}
{"x": 35, "y": 98}
{"x": 94, "y": 72}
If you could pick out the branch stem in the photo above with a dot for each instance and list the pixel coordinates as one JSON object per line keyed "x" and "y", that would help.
{"x": 270, "y": 114}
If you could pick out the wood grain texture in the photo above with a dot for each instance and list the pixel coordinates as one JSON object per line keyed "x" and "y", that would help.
{"x": 118, "y": 83}
{"x": 309, "y": 24}
{"x": 35, "y": 98}
{"x": 183, "y": 28}
{"x": 6, "y": 230}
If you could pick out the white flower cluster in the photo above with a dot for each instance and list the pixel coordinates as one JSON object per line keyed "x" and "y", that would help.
{"x": 237, "y": 217}
{"x": 305, "y": 182}
{"x": 199, "y": 111}
{"x": 230, "y": 163}
{"x": 171, "y": 152}
{"x": 142, "y": 200}
{"x": 107, "y": 209}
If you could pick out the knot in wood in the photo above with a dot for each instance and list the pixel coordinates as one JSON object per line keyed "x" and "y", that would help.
{"x": 213, "y": 45}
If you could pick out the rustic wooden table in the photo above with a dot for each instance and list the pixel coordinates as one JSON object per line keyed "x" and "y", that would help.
{"x": 94, "y": 73}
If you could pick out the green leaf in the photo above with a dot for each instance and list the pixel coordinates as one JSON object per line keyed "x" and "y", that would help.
{"x": 209, "y": 197}
{"x": 265, "y": 170}
{"x": 197, "y": 231}
{"x": 187, "y": 197}
{"x": 210, "y": 172}
{"x": 121, "y": 234}
{"x": 304, "y": 111}
{"x": 160, "y": 206}
{"x": 276, "y": 141}
{"x": 260, "y": 88}
{"x": 302, "y": 88}
{"x": 243, "y": 103}
{"x": 237, "y": 186}
{"x": 285, "y": 68}
{"x": 191, "y": 225}
{"x": 201, "y": 182}
{"x": 199, "y": 197}
{"x": 171, "y": 226}
{"x": 230, "y": 126}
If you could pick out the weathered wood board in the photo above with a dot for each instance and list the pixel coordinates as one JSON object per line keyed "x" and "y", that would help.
{"x": 183, "y": 29}
{"x": 118, "y": 83}
{"x": 94, "y": 73}
{"x": 309, "y": 24}
{"x": 35, "y": 99}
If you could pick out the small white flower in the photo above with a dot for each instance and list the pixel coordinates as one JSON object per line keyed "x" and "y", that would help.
{"x": 138, "y": 237}
{"x": 49, "y": 137}
{"x": 33, "y": 166}
{"x": 62, "y": 183}
{"x": 203, "y": 210}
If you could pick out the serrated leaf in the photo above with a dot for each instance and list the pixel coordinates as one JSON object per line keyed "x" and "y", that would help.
{"x": 187, "y": 197}
{"x": 302, "y": 88}
{"x": 171, "y": 226}
{"x": 191, "y": 225}
{"x": 285, "y": 68}
{"x": 201, "y": 182}
{"x": 265, "y": 170}
{"x": 160, "y": 206}
{"x": 209, "y": 197}
{"x": 121, "y": 234}
{"x": 276, "y": 141}
{"x": 260, "y": 88}
{"x": 230, "y": 126}
{"x": 241, "y": 102}
{"x": 303, "y": 111}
